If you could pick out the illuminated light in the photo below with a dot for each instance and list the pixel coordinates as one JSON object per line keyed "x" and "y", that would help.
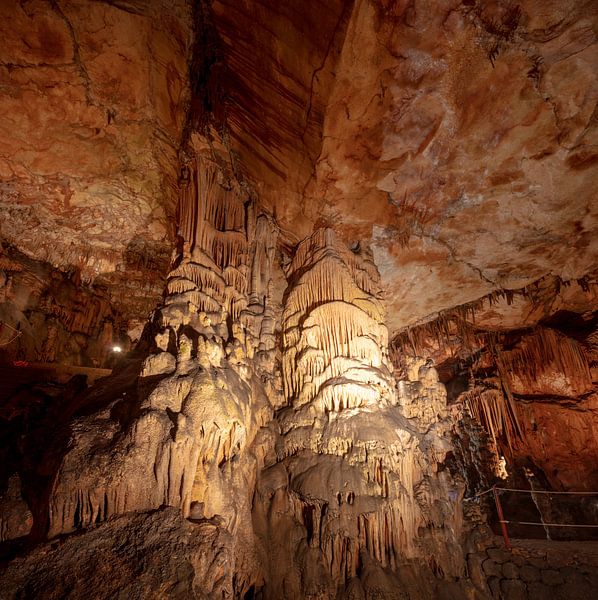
{"x": 116, "y": 349}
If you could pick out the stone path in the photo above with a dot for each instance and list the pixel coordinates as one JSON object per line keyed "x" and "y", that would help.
{"x": 538, "y": 570}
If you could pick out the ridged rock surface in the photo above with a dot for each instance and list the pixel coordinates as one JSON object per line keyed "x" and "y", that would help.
{"x": 93, "y": 98}
{"x": 459, "y": 136}
{"x": 351, "y": 246}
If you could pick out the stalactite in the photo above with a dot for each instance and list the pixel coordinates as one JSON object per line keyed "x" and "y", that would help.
{"x": 459, "y": 323}
{"x": 212, "y": 222}
{"x": 546, "y": 349}
{"x": 333, "y": 326}
{"x": 496, "y": 412}
{"x": 203, "y": 302}
{"x": 180, "y": 285}
{"x": 235, "y": 278}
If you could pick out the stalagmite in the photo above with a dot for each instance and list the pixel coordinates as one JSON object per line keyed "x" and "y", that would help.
{"x": 353, "y": 462}
{"x": 188, "y": 445}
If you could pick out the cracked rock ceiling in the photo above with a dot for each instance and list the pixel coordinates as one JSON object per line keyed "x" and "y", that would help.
{"x": 459, "y": 139}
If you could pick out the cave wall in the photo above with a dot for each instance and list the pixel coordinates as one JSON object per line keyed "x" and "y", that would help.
{"x": 523, "y": 366}
{"x": 94, "y": 98}
{"x": 49, "y": 316}
{"x": 310, "y": 447}
{"x": 261, "y": 177}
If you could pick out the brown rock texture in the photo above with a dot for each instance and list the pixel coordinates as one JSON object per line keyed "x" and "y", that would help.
{"x": 48, "y": 316}
{"x": 92, "y": 105}
{"x": 348, "y": 251}
{"x": 145, "y": 555}
{"x": 335, "y": 469}
{"x": 460, "y": 137}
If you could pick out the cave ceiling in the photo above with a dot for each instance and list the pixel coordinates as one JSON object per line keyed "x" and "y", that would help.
{"x": 457, "y": 139}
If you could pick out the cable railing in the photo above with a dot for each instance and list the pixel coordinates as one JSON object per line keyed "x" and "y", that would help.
{"x": 495, "y": 491}
{"x": 16, "y": 333}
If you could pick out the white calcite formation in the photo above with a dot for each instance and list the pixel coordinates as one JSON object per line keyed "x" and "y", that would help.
{"x": 355, "y": 477}
{"x": 274, "y": 413}
{"x": 334, "y": 337}
{"x": 202, "y": 392}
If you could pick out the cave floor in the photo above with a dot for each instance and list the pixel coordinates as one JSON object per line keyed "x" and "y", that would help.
{"x": 568, "y": 551}
{"x": 538, "y": 569}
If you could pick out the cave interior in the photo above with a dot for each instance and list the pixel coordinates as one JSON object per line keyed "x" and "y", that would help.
{"x": 299, "y": 299}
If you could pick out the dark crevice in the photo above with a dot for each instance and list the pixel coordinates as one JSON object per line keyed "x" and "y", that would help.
{"x": 207, "y": 72}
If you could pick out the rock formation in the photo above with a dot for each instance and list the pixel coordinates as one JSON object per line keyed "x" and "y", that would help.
{"x": 337, "y": 468}
{"x": 333, "y": 267}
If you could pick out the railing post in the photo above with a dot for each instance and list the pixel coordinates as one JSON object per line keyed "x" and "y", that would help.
{"x": 501, "y": 518}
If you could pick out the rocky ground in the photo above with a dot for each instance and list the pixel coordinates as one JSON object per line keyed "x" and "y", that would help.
{"x": 144, "y": 556}
{"x": 538, "y": 570}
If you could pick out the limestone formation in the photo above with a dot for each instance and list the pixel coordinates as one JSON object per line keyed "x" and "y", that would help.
{"x": 286, "y": 288}
{"x": 348, "y": 464}
{"x": 188, "y": 438}
{"x": 16, "y": 518}
{"x": 335, "y": 342}
{"x": 182, "y": 559}
{"x": 351, "y": 483}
